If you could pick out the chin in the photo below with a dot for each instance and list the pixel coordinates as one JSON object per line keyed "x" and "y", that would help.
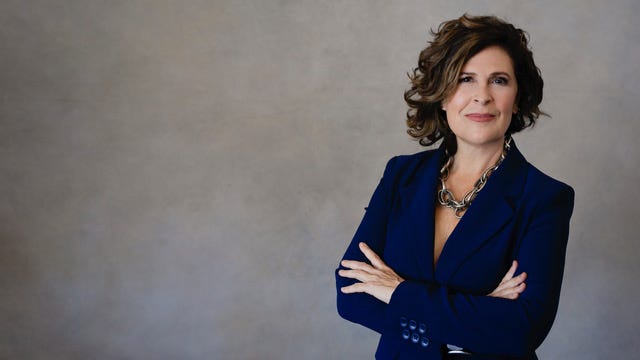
{"x": 482, "y": 140}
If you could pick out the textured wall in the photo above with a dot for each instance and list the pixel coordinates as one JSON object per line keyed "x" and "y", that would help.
{"x": 178, "y": 179}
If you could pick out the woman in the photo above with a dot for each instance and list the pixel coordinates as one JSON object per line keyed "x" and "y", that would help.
{"x": 460, "y": 253}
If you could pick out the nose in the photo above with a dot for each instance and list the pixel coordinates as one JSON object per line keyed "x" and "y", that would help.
{"x": 482, "y": 96}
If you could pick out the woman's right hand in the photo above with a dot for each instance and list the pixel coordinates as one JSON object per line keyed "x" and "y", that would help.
{"x": 510, "y": 287}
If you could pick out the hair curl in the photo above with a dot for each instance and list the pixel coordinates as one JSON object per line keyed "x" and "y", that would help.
{"x": 439, "y": 66}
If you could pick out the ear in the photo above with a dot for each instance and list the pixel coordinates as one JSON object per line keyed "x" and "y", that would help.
{"x": 515, "y": 108}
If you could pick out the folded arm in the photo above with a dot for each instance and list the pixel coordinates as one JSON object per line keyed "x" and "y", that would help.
{"x": 491, "y": 324}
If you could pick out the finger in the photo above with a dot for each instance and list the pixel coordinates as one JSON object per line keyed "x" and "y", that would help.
{"x": 382, "y": 293}
{"x": 509, "y": 284}
{"x": 511, "y": 296}
{"x": 509, "y": 293}
{"x": 516, "y": 280}
{"x": 356, "y": 265}
{"x": 359, "y": 275}
{"x": 514, "y": 293}
{"x": 372, "y": 256}
{"x": 349, "y": 289}
{"x": 514, "y": 289}
{"x": 355, "y": 288}
{"x": 511, "y": 271}
{"x": 513, "y": 281}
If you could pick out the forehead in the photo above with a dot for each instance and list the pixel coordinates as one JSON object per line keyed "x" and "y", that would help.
{"x": 489, "y": 60}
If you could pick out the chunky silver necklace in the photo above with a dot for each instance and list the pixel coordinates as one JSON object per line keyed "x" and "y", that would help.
{"x": 446, "y": 198}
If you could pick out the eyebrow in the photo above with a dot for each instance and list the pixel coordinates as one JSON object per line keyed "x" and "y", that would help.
{"x": 492, "y": 74}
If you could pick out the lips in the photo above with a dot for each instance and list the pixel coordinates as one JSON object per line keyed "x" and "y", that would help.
{"x": 480, "y": 117}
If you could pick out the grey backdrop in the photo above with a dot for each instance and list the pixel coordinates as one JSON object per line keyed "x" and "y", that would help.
{"x": 179, "y": 178}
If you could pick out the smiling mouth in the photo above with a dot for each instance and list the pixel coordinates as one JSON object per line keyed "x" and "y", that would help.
{"x": 480, "y": 117}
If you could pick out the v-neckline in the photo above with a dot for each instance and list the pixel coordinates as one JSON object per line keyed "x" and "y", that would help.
{"x": 452, "y": 234}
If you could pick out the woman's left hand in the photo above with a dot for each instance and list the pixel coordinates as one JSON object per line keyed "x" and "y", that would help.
{"x": 377, "y": 279}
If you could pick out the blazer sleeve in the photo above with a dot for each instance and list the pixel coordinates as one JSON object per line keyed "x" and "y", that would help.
{"x": 362, "y": 308}
{"x": 489, "y": 325}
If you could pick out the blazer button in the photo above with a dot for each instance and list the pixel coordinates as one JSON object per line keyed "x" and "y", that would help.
{"x": 413, "y": 324}
{"x": 403, "y": 321}
{"x": 406, "y": 334}
{"x": 424, "y": 342}
{"x": 422, "y": 328}
{"x": 415, "y": 337}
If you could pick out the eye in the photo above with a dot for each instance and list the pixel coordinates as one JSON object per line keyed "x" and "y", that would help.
{"x": 465, "y": 79}
{"x": 501, "y": 80}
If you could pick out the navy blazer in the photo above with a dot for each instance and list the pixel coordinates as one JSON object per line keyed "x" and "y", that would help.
{"x": 520, "y": 214}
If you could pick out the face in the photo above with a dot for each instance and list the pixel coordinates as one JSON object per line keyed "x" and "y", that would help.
{"x": 479, "y": 111}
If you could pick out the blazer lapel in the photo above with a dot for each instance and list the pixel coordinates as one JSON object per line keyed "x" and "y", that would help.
{"x": 417, "y": 199}
{"x": 492, "y": 208}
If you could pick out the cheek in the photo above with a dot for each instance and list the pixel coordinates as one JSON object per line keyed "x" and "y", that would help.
{"x": 508, "y": 103}
{"x": 458, "y": 101}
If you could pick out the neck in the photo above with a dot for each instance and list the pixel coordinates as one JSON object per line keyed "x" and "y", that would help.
{"x": 472, "y": 161}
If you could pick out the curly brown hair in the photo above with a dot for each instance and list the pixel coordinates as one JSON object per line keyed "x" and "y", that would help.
{"x": 439, "y": 66}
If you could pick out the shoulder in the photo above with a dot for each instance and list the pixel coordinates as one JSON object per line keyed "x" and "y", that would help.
{"x": 540, "y": 182}
{"x": 403, "y": 169}
{"x": 547, "y": 192}
{"x": 403, "y": 165}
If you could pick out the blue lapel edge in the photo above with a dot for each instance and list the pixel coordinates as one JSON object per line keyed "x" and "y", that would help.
{"x": 491, "y": 209}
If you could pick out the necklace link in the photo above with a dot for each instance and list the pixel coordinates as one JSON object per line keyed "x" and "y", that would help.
{"x": 445, "y": 196}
